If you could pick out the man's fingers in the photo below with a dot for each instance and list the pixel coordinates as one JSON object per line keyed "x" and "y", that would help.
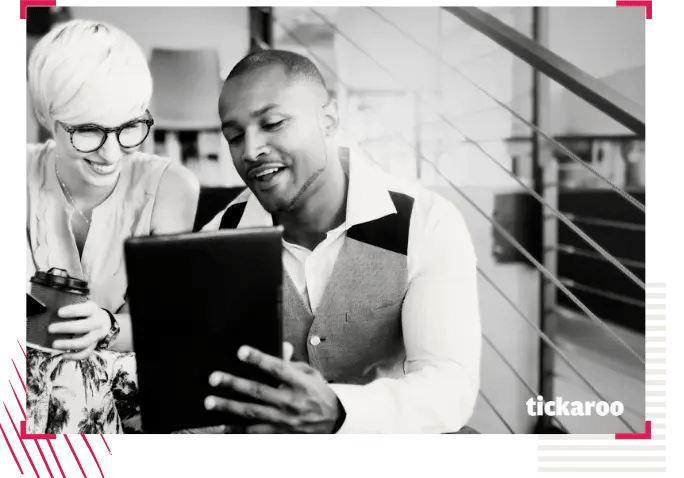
{"x": 280, "y": 397}
{"x": 79, "y": 343}
{"x": 276, "y": 367}
{"x": 86, "y": 309}
{"x": 251, "y": 411}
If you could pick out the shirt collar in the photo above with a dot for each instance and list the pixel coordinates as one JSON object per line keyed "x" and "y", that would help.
{"x": 367, "y": 196}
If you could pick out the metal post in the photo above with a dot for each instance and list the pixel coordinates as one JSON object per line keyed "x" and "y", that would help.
{"x": 545, "y": 179}
{"x": 260, "y": 28}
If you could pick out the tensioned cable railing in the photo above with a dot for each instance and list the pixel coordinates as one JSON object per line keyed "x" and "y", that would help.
{"x": 517, "y": 245}
{"x": 591, "y": 221}
{"x": 591, "y": 255}
{"x": 537, "y": 197}
{"x": 531, "y": 191}
{"x": 503, "y": 105}
{"x": 607, "y": 100}
{"x": 496, "y": 412}
{"x": 511, "y": 367}
{"x": 544, "y": 337}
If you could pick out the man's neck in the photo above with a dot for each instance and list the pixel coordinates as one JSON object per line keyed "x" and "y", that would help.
{"x": 322, "y": 212}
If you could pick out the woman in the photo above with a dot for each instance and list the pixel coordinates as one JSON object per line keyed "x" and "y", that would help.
{"x": 89, "y": 188}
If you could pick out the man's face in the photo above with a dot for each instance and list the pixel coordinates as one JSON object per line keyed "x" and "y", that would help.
{"x": 276, "y": 129}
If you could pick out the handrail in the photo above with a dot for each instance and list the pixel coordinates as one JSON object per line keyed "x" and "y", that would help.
{"x": 612, "y": 103}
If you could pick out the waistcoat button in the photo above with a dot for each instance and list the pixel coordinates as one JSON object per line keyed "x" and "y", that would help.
{"x": 315, "y": 340}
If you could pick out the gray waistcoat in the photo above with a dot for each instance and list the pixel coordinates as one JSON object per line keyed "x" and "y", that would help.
{"x": 355, "y": 334}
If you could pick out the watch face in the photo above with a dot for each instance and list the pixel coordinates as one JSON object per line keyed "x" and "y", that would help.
{"x": 113, "y": 331}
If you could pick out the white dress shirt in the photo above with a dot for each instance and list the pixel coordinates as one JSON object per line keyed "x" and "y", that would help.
{"x": 440, "y": 314}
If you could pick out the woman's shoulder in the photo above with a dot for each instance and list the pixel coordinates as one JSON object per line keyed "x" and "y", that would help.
{"x": 147, "y": 169}
{"x": 161, "y": 174}
{"x": 144, "y": 160}
{"x": 177, "y": 180}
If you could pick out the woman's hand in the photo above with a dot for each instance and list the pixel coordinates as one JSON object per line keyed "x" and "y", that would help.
{"x": 92, "y": 326}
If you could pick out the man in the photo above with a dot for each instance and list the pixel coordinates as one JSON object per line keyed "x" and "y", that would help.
{"x": 380, "y": 296}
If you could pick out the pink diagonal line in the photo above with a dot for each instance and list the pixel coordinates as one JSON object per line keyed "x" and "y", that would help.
{"x": 22, "y": 349}
{"x": 18, "y": 402}
{"x": 22, "y": 380}
{"x": 23, "y": 446}
{"x": 103, "y": 439}
{"x": 28, "y": 455}
{"x": 56, "y": 459}
{"x": 75, "y": 456}
{"x": 11, "y": 450}
{"x": 94, "y": 457}
{"x": 44, "y": 460}
{"x": 16, "y": 430}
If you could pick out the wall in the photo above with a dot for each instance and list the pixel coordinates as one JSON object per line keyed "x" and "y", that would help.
{"x": 611, "y": 47}
{"x": 224, "y": 28}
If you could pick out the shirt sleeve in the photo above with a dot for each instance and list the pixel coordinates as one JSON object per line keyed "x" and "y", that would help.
{"x": 442, "y": 336}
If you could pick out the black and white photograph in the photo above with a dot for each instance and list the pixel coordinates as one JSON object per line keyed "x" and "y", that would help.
{"x": 336, "y": 220}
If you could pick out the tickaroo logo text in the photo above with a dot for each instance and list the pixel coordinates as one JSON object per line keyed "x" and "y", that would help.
{"x": 560, "y": 407}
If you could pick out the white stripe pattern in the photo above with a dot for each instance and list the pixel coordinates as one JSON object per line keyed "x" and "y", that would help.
{"x": 602, "y": 459}
{"x": 600, "y": 469}
{"x": 655, "y": 412}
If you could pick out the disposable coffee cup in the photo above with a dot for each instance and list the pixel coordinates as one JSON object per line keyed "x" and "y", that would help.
{"x": 55, "y": 289}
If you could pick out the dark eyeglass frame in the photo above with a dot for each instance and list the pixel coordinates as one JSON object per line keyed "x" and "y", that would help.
{"x": 149, "y": 121}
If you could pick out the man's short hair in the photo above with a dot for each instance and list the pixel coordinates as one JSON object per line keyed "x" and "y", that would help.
{"x": 295, "y": 65}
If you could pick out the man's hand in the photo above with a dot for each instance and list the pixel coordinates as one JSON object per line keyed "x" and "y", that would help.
{"x": 304, "y": 403}
{"x": 92, "y": 322}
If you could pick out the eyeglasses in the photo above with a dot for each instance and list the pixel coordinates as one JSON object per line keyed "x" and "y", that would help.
{"x": 91, "y": 137}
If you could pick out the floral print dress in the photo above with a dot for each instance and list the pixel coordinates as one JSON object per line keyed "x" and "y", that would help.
{"x": 98, "y": 394}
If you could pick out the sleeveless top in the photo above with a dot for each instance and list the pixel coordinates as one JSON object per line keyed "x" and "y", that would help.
{"x": 126, "y": 212}
{"x": 98, "y": 394}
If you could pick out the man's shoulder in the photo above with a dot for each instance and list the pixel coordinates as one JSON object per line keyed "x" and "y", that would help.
{"x": 235, "y": 209}
{"x": 427, "y": 203}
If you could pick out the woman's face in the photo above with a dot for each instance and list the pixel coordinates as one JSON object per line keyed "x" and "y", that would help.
{"x": 101, "y": 167}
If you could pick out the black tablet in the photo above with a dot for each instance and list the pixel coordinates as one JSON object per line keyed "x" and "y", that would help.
{"x": 194, "y": 299}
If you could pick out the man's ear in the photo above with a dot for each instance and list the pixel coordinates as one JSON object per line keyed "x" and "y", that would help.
{"x": 331, "y": 117}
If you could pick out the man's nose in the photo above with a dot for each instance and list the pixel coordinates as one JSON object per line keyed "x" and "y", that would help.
{"x": 254, "y": 147}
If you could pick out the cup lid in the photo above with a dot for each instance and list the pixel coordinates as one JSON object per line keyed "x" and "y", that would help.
{"x": 60, "y": 279}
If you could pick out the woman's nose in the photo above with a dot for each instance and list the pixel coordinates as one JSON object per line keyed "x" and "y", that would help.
{"x": 111, "y": 150}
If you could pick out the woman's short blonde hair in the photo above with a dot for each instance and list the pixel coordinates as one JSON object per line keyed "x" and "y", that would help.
{"x": 87, "y": 69}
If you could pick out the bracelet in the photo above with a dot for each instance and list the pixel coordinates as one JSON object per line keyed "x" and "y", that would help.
{"x": 113, "y": 332}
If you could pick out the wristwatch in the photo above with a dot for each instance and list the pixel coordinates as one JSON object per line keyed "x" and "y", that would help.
{"x": 113, "y": 332}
